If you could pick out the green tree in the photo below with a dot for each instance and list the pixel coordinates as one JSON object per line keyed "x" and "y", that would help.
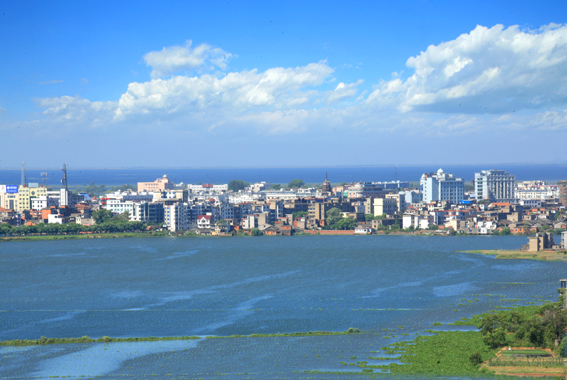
{"x": 296, "y": 184}
{"x": 475, "y": 358}
{"x": 300, "y": 214}
{"x": 102, "y": 216}
{"x": 276, "y": 186}
{"x": 345, "y": 224}
{"x": 496, "y": 338}
{"x": 505, "y": 231}
{"x": 333, "y": 216}
{"x": 255, "y": 232}
{"x": 237, "y": 184}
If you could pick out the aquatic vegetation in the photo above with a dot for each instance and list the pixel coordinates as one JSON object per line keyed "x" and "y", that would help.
{"x": 444, "y": 353}
{"x": 85, "y": 339}
{"x": 310, "y": 333}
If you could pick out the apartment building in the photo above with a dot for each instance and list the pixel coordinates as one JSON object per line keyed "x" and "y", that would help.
{"x": 441, "y": 186}
{"x": 495, "y": 185}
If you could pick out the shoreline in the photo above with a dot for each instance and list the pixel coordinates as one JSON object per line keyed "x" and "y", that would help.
{"x": 507, "y": 254}
{"x": 118, "y": 235}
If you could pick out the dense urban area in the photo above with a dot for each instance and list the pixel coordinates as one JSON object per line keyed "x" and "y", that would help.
{"x": 440, "y": 203}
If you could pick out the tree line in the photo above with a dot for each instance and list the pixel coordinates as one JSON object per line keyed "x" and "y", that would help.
{"x": 105, "y": 222}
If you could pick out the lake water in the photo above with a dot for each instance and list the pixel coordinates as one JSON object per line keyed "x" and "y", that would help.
{"x": 223, "y": 286}
{"x": 113, "y": 177}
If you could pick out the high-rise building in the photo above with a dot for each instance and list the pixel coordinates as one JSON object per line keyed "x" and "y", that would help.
{"x": 494, "y": 185}
{"x": 562, "y": 192}
{"x": 441, "y": 186}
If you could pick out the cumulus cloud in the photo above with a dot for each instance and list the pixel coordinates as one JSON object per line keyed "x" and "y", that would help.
{"x": 76, "y": 110}
{"x": 343, "y": 91}
{"x": 489, "y": 70}
{"x": 174, "y": 59}
{"x": 278, "y": 87}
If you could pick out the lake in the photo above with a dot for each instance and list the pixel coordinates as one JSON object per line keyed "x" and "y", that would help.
{"x": 143, "y": 287}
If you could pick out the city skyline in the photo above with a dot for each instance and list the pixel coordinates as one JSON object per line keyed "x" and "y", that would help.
{"x": 282, "y": 84}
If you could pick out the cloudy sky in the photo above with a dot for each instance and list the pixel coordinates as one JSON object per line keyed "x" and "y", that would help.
{"x": 290, "y": 83}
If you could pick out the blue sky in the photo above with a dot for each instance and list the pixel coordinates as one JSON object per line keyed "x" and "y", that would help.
{"x": 318, "y": 83}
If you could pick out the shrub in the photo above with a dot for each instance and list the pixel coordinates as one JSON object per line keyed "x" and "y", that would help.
{"x": 475, "y": 358}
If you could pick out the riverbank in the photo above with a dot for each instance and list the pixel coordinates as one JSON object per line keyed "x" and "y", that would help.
{"x": 116, "y": 235}
{"x": 519, "y": 254}
{"x": 108, "y": 235}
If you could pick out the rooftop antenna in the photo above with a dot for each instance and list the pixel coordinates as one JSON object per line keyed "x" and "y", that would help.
{"x": 24, "y": 182}
{"x": 44, "y": 178}
{"x": 64, "y": 178}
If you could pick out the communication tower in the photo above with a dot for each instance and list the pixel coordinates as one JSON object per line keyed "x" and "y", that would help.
{"x": 64, "y": 178}
{"x": 44, "y": 178}
{"x": 24, "y": 181}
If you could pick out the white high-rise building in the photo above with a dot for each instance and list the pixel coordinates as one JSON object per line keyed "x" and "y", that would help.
{"x": 441, "y": 186}
{"x": 494, "y": 185}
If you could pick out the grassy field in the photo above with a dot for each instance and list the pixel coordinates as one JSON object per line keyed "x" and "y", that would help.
{"x": 523, "y": 352}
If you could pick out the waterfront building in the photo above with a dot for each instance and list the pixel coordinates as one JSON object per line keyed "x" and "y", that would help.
{"x": 388, "y": 206}
{"x": 441, "y": 186}
{"x": 175, "y": 217}
{"x": 148, "y": 212}
{"x": 494, "y": 185}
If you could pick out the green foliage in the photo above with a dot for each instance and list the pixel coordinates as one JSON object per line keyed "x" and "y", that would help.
{"x": 296, "y": 184}
{"x": 333, "y": 216}
{"x": 505, "y": 231}
{"x": 123, "y": 188}
{"x": 475, "y": 358}
{"x": 85, "y": 339}
{"x": 300, "y": 214}
{"x": 345, "y": 224}
{"x": 92, "y": 189}
{"x": 447, "y": 353}
{"x": 536, "y": 326}
{"x": 237, "y": 184}
{"x": 276, "y": 186}
{"x": 102, "y": 216}
{"x": 255, "y": 232}
{"x": 495, "y": 338}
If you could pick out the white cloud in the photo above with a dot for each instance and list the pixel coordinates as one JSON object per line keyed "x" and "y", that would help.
{"x": 277, "y": 87}
{"x": 51, "y": 81}
{"x": 76, "y": 110}
{"x": 174, "y": 59}
{"x": 489, "y": 70}
{"x": 343, "y": 91}
{"x": 84, "y": 81}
